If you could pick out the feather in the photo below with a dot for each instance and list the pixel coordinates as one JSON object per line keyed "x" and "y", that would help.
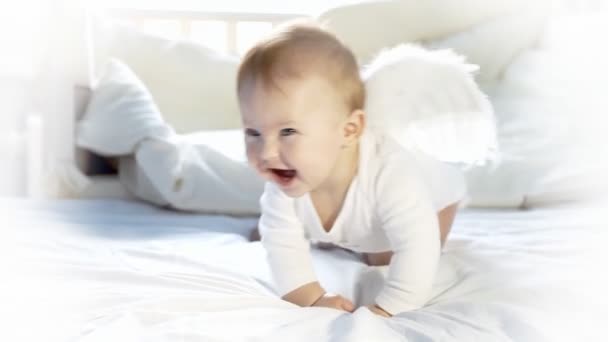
{"x": 428, "y": 100}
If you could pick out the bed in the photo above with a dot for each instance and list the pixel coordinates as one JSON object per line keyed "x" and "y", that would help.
{"x": 96, "y": 264}
{"x": 97, "y": 270}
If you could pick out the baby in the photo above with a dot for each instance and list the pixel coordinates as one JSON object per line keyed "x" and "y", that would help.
{"x": 331, "y": 179}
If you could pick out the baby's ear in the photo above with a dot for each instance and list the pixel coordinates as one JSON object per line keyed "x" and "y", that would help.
{"x": 354, "y": 126}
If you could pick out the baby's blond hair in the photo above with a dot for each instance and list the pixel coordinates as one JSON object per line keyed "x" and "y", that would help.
{"x": 298, "y": 49}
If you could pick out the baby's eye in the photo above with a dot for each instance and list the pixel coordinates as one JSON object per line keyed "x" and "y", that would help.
{"x": 285, "y": 132}
{"x": 252, "y": 132}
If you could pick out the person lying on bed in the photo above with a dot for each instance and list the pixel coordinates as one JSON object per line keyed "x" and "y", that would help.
{"x": 331, "y": 179}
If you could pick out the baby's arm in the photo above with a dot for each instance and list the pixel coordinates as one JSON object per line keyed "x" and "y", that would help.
{"x": 313, "y": 294}
{"x": 305, "y": 295}
{"x": 289, "y": 254}
{"x": 446, "y": 219}
{"x": 411, "y": 224}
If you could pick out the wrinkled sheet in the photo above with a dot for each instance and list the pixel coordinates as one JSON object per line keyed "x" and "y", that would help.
{"x": 109, "y": 270}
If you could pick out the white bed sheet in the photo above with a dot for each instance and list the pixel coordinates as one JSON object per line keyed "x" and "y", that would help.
{"x": 110, "y": 270}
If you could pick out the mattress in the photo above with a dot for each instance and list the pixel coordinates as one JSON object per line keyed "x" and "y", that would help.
{"x": 116, "y": 270}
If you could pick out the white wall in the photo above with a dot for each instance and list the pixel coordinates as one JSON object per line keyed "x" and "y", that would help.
{"x": 35, "y": 79}
{"x": 22, "y": 47}
{"x": 12, "y": 165}
{"x": 308, "y": 7}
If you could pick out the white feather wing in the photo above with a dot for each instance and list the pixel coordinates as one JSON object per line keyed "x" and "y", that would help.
{"x": 429, "y": 100}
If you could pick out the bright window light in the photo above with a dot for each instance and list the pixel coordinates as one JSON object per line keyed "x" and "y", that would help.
{"x": 249, "y": 32}
{"x": 166, "y": 28}
{"x": 213, "y": 34}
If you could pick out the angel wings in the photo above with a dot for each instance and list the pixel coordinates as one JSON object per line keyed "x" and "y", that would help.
{"x": 428, "y": 100}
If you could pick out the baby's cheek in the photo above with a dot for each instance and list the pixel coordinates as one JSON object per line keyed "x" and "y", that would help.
{"x": 297, "y": 147}
{"x": 251, "y": 157}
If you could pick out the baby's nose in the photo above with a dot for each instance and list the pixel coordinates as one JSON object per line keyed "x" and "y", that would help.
{"x": 269, "y": 151}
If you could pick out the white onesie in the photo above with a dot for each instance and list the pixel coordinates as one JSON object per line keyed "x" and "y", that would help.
{"x": 391, "y": 204}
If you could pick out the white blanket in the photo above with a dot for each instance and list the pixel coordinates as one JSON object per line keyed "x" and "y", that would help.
{"x": 122, "y": 271}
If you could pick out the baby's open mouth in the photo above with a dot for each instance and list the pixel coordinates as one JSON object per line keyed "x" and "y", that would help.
{"x": 284, "y": 176}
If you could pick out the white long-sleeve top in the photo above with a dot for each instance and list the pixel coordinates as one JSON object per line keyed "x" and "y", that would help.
{"x": 391, "y": 204}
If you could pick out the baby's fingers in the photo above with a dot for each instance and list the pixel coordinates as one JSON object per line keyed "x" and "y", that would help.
{"x": 347, "y": 305}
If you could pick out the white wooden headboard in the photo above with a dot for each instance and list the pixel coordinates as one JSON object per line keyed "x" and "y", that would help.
{"x": 68, "y": 68}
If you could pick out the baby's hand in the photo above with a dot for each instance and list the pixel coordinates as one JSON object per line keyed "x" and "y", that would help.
{"x": 335, "y": 302}
{"x": 379, "y": 311}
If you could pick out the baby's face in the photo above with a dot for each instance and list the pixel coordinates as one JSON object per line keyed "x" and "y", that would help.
{"x": 294, "y": 135}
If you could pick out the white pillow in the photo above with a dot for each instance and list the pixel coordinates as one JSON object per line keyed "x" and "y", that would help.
{"x": 551, "y": 109}
{"x": 157, "y": 165}
{"x": 370, "y": 26}
{"x": 194, "y": 86}
{"x": 493, "y": 44}
{"x": 120, "y": 113}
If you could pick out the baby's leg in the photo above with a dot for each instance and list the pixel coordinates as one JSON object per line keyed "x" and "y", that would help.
{"x": 446, "y": 218}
